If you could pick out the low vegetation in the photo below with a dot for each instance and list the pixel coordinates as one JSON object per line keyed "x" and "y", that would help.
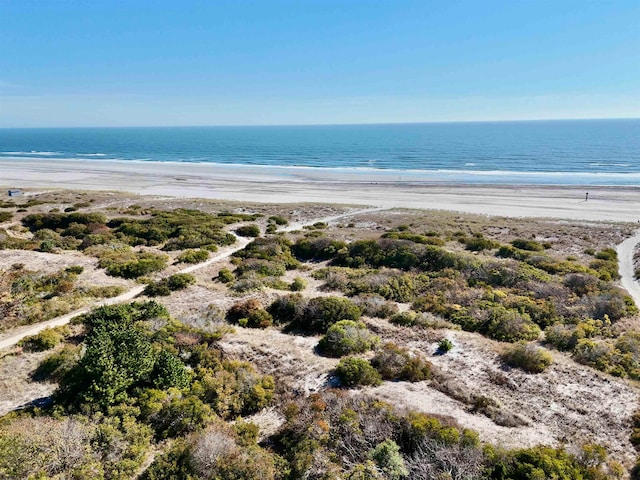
{"x": 347, "y": 337}
{"x": 164, "y": 287}
{"x": 140, "y": 394}
{"x": 528, "y": 357}
{"x": 28, "y": 296}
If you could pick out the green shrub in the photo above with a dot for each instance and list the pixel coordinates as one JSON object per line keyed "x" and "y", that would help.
{"x": 5, "y": 216}
{"x": 415, "y": 238}
{"x": 322, "y": 312}
{"x": 598, "y": 354}
{"x": 132, "y": 265}
{"x": 316, "y": 226}
{"x": 247, "y": 284}
{"x": 261, "y": 267}
{"x": 508, "y": 251}
{"x": 157, "y": 289}
{"x": 235, "y": 389}
{"x": 45, "y": 340}
{"x": 387, "y": 457}
{"x": 319, "y": 248}
{"x": 225, "y": 276}
{"x": 508, "y": 325}
{"x": 252, "y": 230}
{"x": 374, "y": 305}
{"x": 106, "y": 291}
{"x": 479, "y": 243}
{"x": 275, "y": 252}
{"x": 581, "y": 283}
{"x": 164, "y": 287}
{"x": 180, "y": 281}
{"x": 353, "y": 372}
{"x": 249, "y": 314}
{"x": 278, "y": 220}
{"x": 58, "y": 221}
{"x": 607, "y": 269}
{"x": 529, "y": 245}
{"x": 288, "y": 309}
{"x": 397, "y": 363}
{"x": 114, "y": 362}
{"x": 613, "y": 305}
{"x": 347, "y": 337}
{"x": 298, "y": 284}
{"x": 408, "y": 318}
{"x": 445, "y": 345}
{"x": 528, "y": 357}
{"x": 545, "y": 462}
{"x": 608, "y": 254}
{"x": 193, "y": 256}
{"x": 75, "y": 269}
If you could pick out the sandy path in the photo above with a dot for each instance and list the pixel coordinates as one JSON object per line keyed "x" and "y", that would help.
{"x": 625, "y": 261}
{"x": 22, "y": 332}
{"x": 18, "y": 334}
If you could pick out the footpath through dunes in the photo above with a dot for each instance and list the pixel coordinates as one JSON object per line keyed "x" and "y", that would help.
{"x": 626, "y": 251}
{"x": 11, "y": 338}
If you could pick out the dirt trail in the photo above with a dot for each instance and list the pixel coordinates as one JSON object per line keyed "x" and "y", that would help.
{"x": 129, "y": 295}
{"x": 22, "y": 332}
{"x": 625, "y": 262}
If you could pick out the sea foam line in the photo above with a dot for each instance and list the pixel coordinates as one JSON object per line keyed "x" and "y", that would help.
{"x": 354, "y": 169}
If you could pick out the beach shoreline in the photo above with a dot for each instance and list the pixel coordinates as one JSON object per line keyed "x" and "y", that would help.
{"x": 249, "y": 183}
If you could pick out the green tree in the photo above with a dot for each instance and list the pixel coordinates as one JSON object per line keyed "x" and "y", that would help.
{"x": 114, "y": 361}
{"x": 169, "y": 371}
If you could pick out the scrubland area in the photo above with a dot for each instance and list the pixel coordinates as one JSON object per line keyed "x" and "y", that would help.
{"x": 327, "y": 342}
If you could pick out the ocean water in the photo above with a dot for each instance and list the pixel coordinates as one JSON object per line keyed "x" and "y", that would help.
{"x": 571, "y": 152}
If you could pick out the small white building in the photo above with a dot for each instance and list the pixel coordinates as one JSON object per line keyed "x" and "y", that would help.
{"x": 14, "y": 192}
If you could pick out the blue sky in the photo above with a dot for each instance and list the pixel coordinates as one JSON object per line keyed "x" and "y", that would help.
{"x": 138, "y": 62}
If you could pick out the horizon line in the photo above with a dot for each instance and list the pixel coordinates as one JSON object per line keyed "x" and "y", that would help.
{"x": 266, "y": 125}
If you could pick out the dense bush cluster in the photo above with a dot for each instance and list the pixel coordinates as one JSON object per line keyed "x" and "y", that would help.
{"x": 193, "y": 256}
{"x": 315, "y": 315}
{"x": 123, "y": 261}
{"x": 251, "y": 230}
{"x": 164, "y": 287}
{"x": 528, "y": 357}
{"x": 135, "y": 380}
{"x": 333, "y": 435}
{"x": 510, "y": 300}
{"x": 374, "y": 305}
{"x": 249, "y": 313}
{"x": 261, "y": 263}
{"x": 397, "y": 363}
{"x": 173, "y": 230}
{"x": 353, "y": 372}
{"x": 166, "y": 373}
{"x": 347, "y": 337}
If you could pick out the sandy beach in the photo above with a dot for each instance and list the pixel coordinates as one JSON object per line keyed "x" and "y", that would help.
{"x": 294, "y": 185}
